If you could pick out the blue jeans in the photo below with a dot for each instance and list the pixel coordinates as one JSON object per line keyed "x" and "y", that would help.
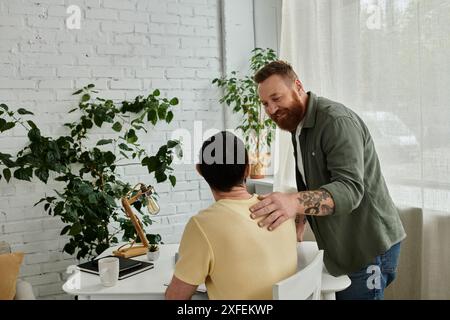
{"x": 369, "y": 282}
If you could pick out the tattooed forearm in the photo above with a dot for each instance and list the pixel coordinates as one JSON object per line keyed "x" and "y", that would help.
{"x": 317, "y": 203}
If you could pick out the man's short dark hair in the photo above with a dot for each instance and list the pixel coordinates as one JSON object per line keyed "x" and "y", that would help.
{"x": 223, "y": 160}
{"x": 278, "y": 67}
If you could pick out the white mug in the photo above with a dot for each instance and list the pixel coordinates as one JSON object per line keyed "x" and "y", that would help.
{"x": 109, "y": 271}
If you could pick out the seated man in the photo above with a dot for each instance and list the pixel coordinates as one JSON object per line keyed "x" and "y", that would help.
{"x": 222, "y": 246}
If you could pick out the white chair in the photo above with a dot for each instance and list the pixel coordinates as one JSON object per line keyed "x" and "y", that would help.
{"x": 304, "y": 285}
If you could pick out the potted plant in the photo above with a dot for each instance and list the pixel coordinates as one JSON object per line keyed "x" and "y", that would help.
{"x": 87, "y": 200}
{"x": 153, "y": 252}
{"x": 241, "y": 94}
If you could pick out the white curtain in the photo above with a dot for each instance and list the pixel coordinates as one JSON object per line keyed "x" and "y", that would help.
{"x": 388, "y": 60}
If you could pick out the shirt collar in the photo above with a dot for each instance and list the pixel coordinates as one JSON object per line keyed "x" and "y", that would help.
{"x": 309, "y": 120}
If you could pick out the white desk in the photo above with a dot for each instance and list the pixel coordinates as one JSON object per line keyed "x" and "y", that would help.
{"x": 150, "y": 284}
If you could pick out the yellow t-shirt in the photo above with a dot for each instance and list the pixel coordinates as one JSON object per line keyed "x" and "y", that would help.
{"x": 235, "y": 258}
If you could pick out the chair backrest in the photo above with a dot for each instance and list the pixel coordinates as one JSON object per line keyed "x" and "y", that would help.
{"x": 305, "y": 284}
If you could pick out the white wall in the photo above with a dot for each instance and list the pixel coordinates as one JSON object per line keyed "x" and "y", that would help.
{"x": 126, "y": 48}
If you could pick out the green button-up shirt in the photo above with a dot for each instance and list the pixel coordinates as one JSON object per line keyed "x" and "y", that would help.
{"x": 339, "y": 156}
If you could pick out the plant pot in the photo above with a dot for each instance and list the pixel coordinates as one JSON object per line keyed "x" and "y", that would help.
{"x": 153, "y": 255}
{"x": 257, "y": 171}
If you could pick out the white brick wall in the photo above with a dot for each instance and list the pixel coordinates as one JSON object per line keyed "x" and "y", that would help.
{"x": 126, "y": 48}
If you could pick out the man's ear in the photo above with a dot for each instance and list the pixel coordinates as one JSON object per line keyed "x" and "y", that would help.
{"x": 197, "y": 167}
{"x": 299, "y": 86}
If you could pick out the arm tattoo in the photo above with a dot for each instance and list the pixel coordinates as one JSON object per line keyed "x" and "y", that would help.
{"x": 317, "y": 203}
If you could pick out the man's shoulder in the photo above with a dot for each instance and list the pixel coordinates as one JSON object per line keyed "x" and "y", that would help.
{"x": 333, "y": 109}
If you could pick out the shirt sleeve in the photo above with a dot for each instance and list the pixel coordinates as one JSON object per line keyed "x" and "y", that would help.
{"x": 343, "y": 145}
{"x": 195, "y": 255}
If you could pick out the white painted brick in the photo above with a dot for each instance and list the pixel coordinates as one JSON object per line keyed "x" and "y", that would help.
{"x": 180, "y": 30}
{"x": 207, "y": 52}
{"x": 119, "y": 4}
{"x": 47, "y": 59}
{"x": 76, "y": 48}
{"x": 37, "y": 47}
{"x": 161, "y": 62}
{"x": 8, "y": 45}
{"x": 153, "y": 6}
{"x": 156, "y": 28}
{"x": 49, "y": 234}
{"x": 106, "y": 14}
{"x": 179, "y": 52}
{"x": 114, "y": 72}
{"x": 113, "y": 49}
{"x": 205, "y": 194}
{"x": 12, "y": 238}
{"x": 147, "y": 51}
{"x": 141, "y": 28}
{"x": 155, "y": 73}
{"x": 165, "y": 40}
{"x": 165, "y": 18}
{"x": 194, "y": 84}
{"x": 191, "y": 42}
{"x": 7, "y": 71}
{"x": 207, "y": 32}
{"x": 133, "y": 61}
{"x": 194, "y": 63}
{"x": 9, "y": 84}
{"x": 180, "y": 73}
{"x": 30, "y": 270}
{"x": 57, "y": 266}
{"x": 194, "y": 21}
{"x": 126, "y": 84}
{"x": 194, "y": 1}
{"x": 11, "y": 20}
{"x": 166, "y": 84}
{"x": 51, "y": 22}
{"x": 18, "y": 8}
{"x": 209, "y": 11}
{"x": 37, "y": 72}
{"x": 56, "y": 84}
{"x": 180, "y": 9}
{"x": 134, "y": 16}
{"x": 120, "y": 27}
{"x": 192, "y": 195}
{"x": 184, "y": 208}
{"x": 37, "y": 246}
{"x": 131, "y": 38}
{"x": 43, "y": 279}
{"x": 73, "y": 72}
{"x": 57, "y": 11}
{"x": 25, "y": 226}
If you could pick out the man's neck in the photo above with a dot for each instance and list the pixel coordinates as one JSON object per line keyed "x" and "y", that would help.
{"x": 237, "y": 193}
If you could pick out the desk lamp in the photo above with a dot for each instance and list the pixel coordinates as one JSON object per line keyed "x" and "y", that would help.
{"x": 142, "y": 193}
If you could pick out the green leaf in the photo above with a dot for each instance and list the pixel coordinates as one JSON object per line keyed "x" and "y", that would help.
{"x": 23, "y": 111}
{"x": 172, "y": 143}
{"x": 65, "y": 230}
{"x": 109, "y": 158}
{"x": 77, "y": 92}
{"x": 174, "y": 101}
{"x": 23, "y": 173}
{"x": 152, "y": 116}
{"x": 173, "y": 180}
{"x": 169, "y": 116}
{"x": 86, "y": 123}
{"x": 75, "y": 229}
{"x": 42, "y": 174}
{"x": 34, "y": 135}
{"x": 59, "y": 208}
{"x": 131, "y": 136}
{"x": 4, "y": 106}
{"x": 104, "y": 141}
{"x": 151, "y": 163}
{"x": 117, "y": 126}
{"x": 73, "y": 110}
{"x": 90, "y": 86}
{"x": 7, "y": 174}
{"x": 156, "y": 93}
{"x": 85, "y": 97}
{"x": 124, "y": 147}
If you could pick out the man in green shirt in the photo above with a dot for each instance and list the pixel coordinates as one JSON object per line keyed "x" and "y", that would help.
{"x": 342, "y": 192}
